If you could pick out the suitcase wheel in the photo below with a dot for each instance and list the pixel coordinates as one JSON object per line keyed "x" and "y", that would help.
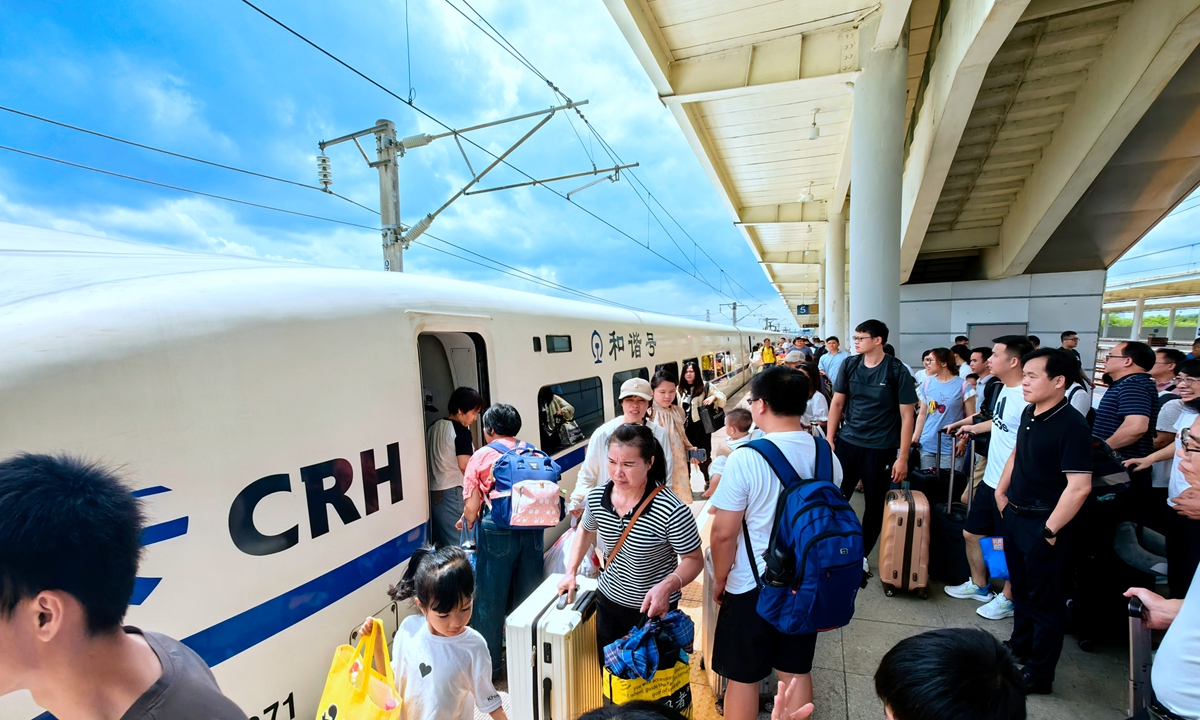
{"x": 923, "y": 594}
{"x": 767, "y": 704}
{"x": 702, "y": 664}
{"x": 1087, "y": 645}
{"x": 887, "y": 590}
{"x": 720, "y": 707}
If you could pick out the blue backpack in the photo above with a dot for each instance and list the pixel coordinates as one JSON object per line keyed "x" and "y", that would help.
{"x": 815, "y": 557}
{"x": 525, "y": 493}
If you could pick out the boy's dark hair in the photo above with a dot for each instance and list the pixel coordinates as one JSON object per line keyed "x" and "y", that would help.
{"x": 963, "y": 353}
{"x": 1191, "y": 368}
{"x": 72, "y": 526}
{"x": 502, "y": 420}
{"x": 1035, "y": 341}
{"x": 961, "y": 338}
{"x": 663, "y": 376}
{"x": 950, "y": 674}
{"x": 739, "y": 419}
{"x": 833, "y": 338}
{"x": 874, "y": 328}
{"x": 1140, "y": 353}
{"x": 1017, "y": 346}
{"x": 1058, "y": 363}
{"x": 784, "y": 390}
{"x": 889, "y": 350}
{"x": 637, "y": 710}
{"x": 1196, "y": 341}
{"x": 464, "y": 399}
{"x": 1066, "y": 334}
{"x": 641, "y": 437}
{"x": 439, "y": 578}
{"x": 972, "y": 376}
{"x": 984, "y": 352}
{"x": 1172, "y": 355}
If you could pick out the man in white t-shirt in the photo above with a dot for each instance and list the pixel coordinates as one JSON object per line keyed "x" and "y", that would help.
{"x": 745, "y": 647}
{"x": 448, "y": 448}
{"x": 983, "y": 520}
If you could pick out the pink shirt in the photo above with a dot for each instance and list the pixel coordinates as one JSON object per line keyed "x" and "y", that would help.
{"x": 478, "y": 476}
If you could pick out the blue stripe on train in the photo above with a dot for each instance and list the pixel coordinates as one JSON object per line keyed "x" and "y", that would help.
{"x": 247, "y": 629}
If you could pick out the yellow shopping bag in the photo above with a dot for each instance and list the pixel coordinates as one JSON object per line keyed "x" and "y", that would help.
{"x": 356, "y": 691}
{"x": 670, "y": 687}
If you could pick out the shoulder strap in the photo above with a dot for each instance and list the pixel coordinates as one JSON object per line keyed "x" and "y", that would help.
{"x": 632, "y": 521}
{"x": 779, "y": 464}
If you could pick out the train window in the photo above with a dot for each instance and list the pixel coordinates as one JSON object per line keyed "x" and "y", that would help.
{"x": 707, "y": 366}
{"x": 578, "y": 401}
{"x": 620, "y": 378}
{"x": 671, "y": 367}
{"x": 558, "y": 343}
{"x": 537, "y": 344}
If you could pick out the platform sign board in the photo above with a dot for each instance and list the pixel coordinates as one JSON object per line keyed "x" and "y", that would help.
{"x": 801, "y": 309}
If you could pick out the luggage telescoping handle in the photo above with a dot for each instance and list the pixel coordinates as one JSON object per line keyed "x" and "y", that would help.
{"x": 970, "y": 475}
{"x": 1140, "y": 658}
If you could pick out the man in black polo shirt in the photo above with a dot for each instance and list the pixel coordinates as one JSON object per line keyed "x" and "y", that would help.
{"x": 1045, "y": 482}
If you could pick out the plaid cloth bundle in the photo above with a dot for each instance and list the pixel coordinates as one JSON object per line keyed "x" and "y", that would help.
{"x": 636, "y": 654}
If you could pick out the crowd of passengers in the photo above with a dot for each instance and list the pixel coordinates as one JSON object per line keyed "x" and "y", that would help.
{"x": 71, "y": 530}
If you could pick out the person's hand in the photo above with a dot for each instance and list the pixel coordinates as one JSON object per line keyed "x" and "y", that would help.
{"x": 710, "y": 400}
{"x": 718, "y": 591}
{"x": 1188, "y": 503}
{"x": 658, "y": 601}
{"x": 712, "y": 488}
{"x": 784, "y": 697}
{"x": 567, "y": 585}
{"x": 1159, "y": 611}
{"x": 577, "y": 513}
{"x": 1138, "y": 464}
{"x": 1051, "y": 541}
{"x": 960, "y": 447}
{"x": 1001, "y": 502}
{"x": 368, "y": 627}
{"x": 900, "y": 469}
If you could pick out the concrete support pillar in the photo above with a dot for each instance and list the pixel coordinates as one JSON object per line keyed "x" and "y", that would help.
{"x": 1138, "y": 311}
{"x": 876, "y": 175}
{"x": 1170, "y": 324}
{"x": 1107, "y": 321}
{"x": 835, "y": 276}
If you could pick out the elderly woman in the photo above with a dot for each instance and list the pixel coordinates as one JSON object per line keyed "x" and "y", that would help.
{"x": 645, "y": 572}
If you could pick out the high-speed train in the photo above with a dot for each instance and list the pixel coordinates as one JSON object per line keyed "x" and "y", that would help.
{"x": 272, "y": 417}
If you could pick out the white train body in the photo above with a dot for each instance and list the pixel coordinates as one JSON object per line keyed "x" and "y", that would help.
{"x": 247, "y": 401}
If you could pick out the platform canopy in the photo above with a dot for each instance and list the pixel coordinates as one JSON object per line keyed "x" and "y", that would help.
{"x": 1040, "y": 135}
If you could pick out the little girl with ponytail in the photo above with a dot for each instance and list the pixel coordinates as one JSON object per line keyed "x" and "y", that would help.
{"x": 438, "y": 660}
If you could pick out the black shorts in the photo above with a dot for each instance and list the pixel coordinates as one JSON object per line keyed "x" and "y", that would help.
{"x": 746, "y": 647}
{"x": 984, "y": 519}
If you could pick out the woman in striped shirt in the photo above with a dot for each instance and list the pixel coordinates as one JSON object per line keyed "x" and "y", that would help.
{"x": 643, "y": 576}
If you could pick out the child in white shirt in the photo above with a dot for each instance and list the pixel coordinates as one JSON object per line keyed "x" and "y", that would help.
{"x": 439, "y": 662}
{"x": 739, "y": 430}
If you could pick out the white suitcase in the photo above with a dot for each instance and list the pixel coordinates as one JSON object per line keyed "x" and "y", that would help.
{"x": 708, "y": 622}
{"x": 553, "y": 661}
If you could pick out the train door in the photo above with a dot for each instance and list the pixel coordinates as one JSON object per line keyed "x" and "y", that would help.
{"x": 449, "y": 360}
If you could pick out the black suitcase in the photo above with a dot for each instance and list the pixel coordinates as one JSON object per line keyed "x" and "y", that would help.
{"x": 935, "y": 482}
{"x": 947, "y": 547}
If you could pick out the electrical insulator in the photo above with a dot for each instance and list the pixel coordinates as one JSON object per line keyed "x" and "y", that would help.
{"x": 324, "y": 175}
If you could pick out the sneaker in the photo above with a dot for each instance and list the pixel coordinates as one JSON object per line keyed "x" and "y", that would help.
{"x": 969, "y": 590}
{"x": 1034, "y": 685}
{"x": 999, "y": 608}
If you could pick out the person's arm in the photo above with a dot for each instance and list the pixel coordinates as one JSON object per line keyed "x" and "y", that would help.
{"x": 1005, "y": 479}
{"x": 715, "y": 396}
{"x": 472, "y": 492}
{"x": 1160, "y": 612}
{"x": 367, "y": 628}
{"x": 658, "y": 600}
{"x": 1163, "y": 453}
{"x": 583, "y": 540}
{"x": 589, "y": 471}
{"x": 498, "y": 714}
{"x": 835, "y": 416}
{"x": 919, "y": 426}
{"x": 722, "y": 539}
{"x": 463, "y": 460}
{"x": 900, "y": 466}
{"x": 1079, "y": 485}
{"x": 1131, "y": 430}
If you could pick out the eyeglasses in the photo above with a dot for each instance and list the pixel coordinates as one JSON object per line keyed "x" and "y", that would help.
{"x": 1110, "y": 356}
{"x": 861, "y": 338}
{"x": 1185, "y": 380}
{"x": 1185, "y": 436}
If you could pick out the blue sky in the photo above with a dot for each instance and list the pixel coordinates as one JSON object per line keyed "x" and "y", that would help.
{"x": 219, "y": 81}
{"x": 1171, "y": 247}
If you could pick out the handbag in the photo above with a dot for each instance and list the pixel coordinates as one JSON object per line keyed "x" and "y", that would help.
{"x": 569, "y": 433}
{"x": 356, "y": 691}
{"x": 711, "y": 417}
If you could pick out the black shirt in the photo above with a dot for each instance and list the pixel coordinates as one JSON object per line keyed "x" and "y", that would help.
{"x": 871, "y": 417}
{"x": 462, "y": 439}
{"x": 1049, "y": 446}
{"x": 186, "y": 690}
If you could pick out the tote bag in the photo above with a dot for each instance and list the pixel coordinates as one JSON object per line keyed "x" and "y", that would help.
{"x": 356, "y": 691}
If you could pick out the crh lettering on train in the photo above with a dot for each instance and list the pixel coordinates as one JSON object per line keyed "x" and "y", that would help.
{"x": 251, "y": 541}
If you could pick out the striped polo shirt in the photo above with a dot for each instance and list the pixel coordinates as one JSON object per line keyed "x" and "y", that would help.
{"x": 1134, "y": 394}
{"x": 665, "y": 530}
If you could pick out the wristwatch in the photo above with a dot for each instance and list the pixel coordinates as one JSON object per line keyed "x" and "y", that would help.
{"x": 1048, "y": 533}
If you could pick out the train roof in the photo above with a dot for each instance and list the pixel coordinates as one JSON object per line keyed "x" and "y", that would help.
{"x": 80, "y": 295}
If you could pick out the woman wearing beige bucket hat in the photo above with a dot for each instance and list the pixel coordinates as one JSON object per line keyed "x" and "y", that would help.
{"x": 635, "y": 399}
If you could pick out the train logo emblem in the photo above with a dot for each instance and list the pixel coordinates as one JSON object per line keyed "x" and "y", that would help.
{"x": 597, "y": 347}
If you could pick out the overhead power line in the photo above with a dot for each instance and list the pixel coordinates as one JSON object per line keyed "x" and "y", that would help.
{"x": 475, "y": 144}
{"x": 182, "y": 156}
{"x": 180, "y": 189}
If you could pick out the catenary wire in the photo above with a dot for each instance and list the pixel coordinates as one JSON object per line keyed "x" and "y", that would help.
{"x": 180, "y": 189}
{"x": 477, "y": 145}
{"x": 181, "y": 155}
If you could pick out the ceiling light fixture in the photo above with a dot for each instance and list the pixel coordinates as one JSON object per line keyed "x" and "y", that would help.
{"x": 807, "y": 197}
{"x": 814, "y": 132}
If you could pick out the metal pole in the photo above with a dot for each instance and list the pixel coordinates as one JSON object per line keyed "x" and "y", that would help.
{"x": 389, "y": 194}
{"x": 735, "y": 314}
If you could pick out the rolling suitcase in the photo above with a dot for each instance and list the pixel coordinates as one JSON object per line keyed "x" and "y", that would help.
{"x": 553, "y": 661}
{"x": 948, "y": 548}
{"x": 904, "y": 545}
{"x": 708, "y": 624}
{"x": 1140, "y": 658}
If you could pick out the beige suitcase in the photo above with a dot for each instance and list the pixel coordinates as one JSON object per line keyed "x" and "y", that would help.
{"x": 904, "y": 542}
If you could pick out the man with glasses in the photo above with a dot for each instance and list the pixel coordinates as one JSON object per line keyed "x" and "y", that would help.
{"x": 1070, "y": 341}
{"x": 871, "y": 423}
{"x": 1166, "y": 367}
{"x": 1127, "y": 417}
{"x": 1045, "y": 482}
